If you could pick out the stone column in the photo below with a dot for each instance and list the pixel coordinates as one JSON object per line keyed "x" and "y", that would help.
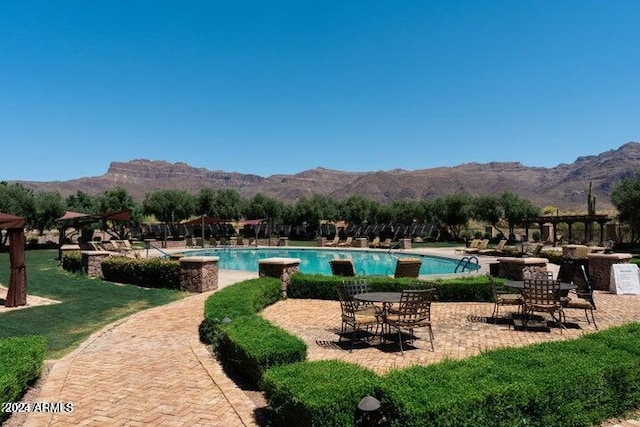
{"x": 600, "y": 267}
{"x": 92, "y": 262}
{"x": 360, "y": 242}
{"x": 199, "y": 273}
{"x": 512, "y": 267}
{"x": 404, "y": 244}
{"x": 281, "y": 268}
{"x": 321, "y": 241}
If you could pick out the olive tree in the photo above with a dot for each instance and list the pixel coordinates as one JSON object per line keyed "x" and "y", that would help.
{"x": 119, "y": 199}
{"x": 170, "y": 206}
{"x": 626, "y": 198}
{"x": 49, "y": 206}
{"x": 221, "y": 204}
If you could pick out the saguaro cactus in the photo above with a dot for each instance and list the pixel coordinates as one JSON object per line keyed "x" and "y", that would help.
{"x": 591, "y": 210}
{"x": 591, "y": 201}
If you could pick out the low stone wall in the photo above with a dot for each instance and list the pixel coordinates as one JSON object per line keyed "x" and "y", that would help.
{"x": 281, "y": 268}
{"x": 512, "y": 267}
{"x": 199, "y": 274}
{"x": 92, "y": 262}
{"x": 600, "y": 267}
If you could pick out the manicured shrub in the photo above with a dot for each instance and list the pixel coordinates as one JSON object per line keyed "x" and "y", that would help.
{"x": 244, "y": 298}
{"x": 72, "y": 261}
{"x": 21, "y": 360}
{"x": 243, "y": 340}
{"x": 322, "y": 393}
{"x": 316, "y": 286}
{"x": 579, "y": 383}
{"x": 149, "y": 272}
{"x": 252, "y": 345}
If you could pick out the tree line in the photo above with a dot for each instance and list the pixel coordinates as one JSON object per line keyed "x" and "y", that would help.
{"x": 504, "y": 211}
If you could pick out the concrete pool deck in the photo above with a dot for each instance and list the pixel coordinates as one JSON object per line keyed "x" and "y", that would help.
{"x": 151, "y": 369}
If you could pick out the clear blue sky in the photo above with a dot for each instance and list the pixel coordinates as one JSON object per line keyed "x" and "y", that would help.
{"x": 269, "y": 87}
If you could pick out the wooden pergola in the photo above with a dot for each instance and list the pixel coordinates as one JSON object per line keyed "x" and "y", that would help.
{"x": 554, "y": 220}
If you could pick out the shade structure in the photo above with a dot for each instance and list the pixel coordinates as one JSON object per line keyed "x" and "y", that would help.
{"x": 204, "y": 219}
{"x": 17, "y": 293}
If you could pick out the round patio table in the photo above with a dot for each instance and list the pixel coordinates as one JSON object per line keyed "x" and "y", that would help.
{"x": 383, "y": 297}
{"x": 519, "y": 284}
{"x": 386, "y": 298}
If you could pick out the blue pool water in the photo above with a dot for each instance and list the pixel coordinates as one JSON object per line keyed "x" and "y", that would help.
{"x": 314, "y": 261}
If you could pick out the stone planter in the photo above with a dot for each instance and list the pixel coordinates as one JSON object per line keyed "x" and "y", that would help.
{"x": 282, "y": 268}
{"x": 600, "y": 267}
{"x": 199, "y": 274}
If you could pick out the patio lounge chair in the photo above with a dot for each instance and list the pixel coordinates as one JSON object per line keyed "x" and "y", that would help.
{"x": 536, "y": 251}
{"x": 407, "y": 267}
{"x": 386, "y": 243}
{"x": 333, "y": 242}
{"x": 347, "y": 242}
{"x": 375, "y": 243}
{"x": 497, "y": 250}
{"x": 481, "y": 246}
{"x": 472, "y": 244}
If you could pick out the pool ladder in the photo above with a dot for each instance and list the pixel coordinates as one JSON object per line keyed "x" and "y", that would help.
{"x": 465, "y": 262}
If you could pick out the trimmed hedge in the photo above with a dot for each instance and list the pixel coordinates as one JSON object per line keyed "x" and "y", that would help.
{"x": 316, "y": 286}
{"x": 148, "y": 272}
{"x": 21, "y": 360}
{"x": 252, "y": 345}
{"x": 321, "y": 393}
{"x": 72, "y": 261}
{"x": 245, "y": 341}
{"x": 580, "y": 382}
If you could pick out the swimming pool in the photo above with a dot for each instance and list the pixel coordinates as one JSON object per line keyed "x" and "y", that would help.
{"x": 316, "y": 261}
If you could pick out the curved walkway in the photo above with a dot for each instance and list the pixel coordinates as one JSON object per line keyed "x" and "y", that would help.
{"x": 147, "y": 369}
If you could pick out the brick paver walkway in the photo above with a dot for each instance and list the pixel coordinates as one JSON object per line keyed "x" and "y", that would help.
{"x": 148, "y": 369}
{"x": 151, "y": 369}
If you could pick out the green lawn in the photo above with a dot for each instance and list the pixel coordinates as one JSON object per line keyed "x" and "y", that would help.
{"x": 86, "y": 304}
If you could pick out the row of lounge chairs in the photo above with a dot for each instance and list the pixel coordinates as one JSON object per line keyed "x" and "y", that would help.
{"x": 348, "y": 242}
{"x": 481, "y": 247}
{"x": 119, "y": 247}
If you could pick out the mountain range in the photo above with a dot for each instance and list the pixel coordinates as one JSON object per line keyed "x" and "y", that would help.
{"x": 564, "y": 186}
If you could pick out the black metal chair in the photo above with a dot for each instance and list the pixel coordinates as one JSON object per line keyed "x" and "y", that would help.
{"x": 584, "y": 295}
{"x": 357, "y": 318}
{"x": 542, "y": 295}
{"x": 414, "y": 312}
{"x": 503, "y": 298}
